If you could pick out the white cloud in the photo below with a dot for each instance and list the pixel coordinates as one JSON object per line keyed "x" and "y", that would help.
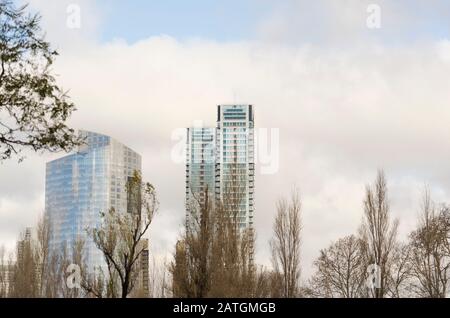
{"x": 342, "y": 114}
{"x": 63, "y": 35}
{"x": 342, "y": 23}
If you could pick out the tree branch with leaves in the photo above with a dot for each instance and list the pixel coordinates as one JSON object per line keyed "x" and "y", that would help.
{"x": 121, "y": 234}
{"x": 33, "y": 108}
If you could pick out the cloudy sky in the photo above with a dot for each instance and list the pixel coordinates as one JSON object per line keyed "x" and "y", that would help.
{"x": 347, "y": 100}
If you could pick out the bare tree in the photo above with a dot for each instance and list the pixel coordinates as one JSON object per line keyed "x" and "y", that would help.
{"x": 199, "y": 240}
{"x": 50, "y": 264}
{"x": 286, "y": 243}
{"x": 3, "y": 273}
{"x": 24, "y": 281}
{"x": 182, "y": 284}
{"x": 399, "y": 272}
{"x": 72, "y": 255}
{"x": 430, "y": 260}
{"x": 233, "y": 243}
{"x": 232, "y": 255}
{"x": 43, "y": 257}
{"x": 268, "y": 284}
{"x": 36, "y": 272}
{"x": 54, "y": 272}
{"x": 95, "y": 284}
{"x": 39, "y": 271}
{"x": 339, "y": 270}
{"x": 214, "y": 258}
{"x": 378, "y": 234}
{"x": 192, "y": 266}
{"x": 5, "y": 270}
{"x": 159, "y": 287}
{"x": 119, "y": 237}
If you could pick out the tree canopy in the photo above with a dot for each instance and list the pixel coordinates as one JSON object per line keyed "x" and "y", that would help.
{"x": 33, "y": 108}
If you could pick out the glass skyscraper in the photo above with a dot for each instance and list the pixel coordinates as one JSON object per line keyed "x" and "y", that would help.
{"x": 80, "y": 186}
{"x": 235, "y": 161}
{"x": 222, "y": 159}
{"x": 200, "y": 166}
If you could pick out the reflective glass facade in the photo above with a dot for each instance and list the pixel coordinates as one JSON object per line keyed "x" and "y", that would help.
{"x": 82, "y": 185}
{"x": 200, "y": 165}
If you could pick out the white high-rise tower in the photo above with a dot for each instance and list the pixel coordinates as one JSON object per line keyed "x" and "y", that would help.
{"x": 235, "y": 161}
{"x": 222, "y": 160}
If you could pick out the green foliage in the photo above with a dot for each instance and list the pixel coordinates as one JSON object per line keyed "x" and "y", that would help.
{"x": 120, "y": 237}
{"x": 33, "y": 109}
